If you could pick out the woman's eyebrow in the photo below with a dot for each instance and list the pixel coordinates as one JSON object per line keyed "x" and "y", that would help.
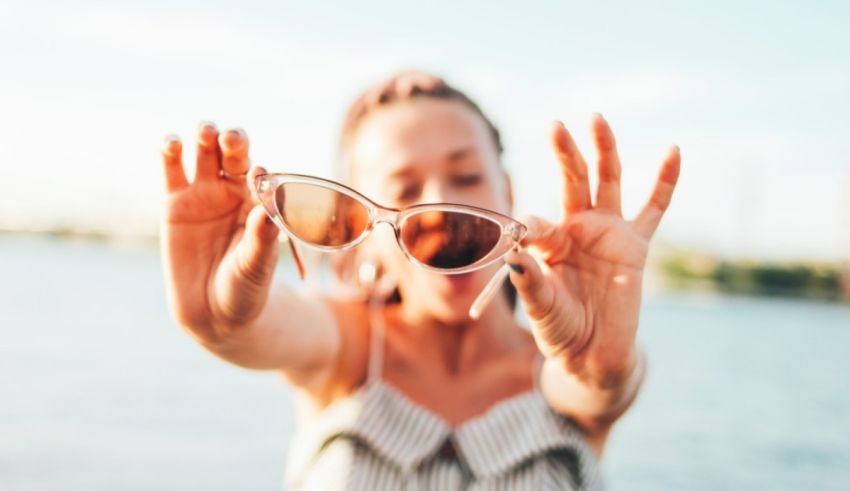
{"x": 401, "y": 172}
{"x": 459, "y": 154}
{"x": 407, "y": 170}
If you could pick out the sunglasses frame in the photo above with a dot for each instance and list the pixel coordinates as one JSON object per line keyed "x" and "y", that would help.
{"x": 512, "y": 231}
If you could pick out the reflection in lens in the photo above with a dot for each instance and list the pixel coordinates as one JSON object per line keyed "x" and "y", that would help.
{"x": 320, "y": 216}
{"x": 448, "y": 239}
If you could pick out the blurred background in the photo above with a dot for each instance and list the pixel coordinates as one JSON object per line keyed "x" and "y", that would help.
{"x": 746, "y": 318}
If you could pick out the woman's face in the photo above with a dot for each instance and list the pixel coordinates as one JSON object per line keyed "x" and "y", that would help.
{"x": 428, "y": 150}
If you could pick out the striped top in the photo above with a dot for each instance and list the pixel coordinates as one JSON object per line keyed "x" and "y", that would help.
{"x": 378, "y": 439}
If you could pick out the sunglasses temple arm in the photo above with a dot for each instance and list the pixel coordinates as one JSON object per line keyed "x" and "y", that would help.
{"x": 488, "y": 292}
{"x": 297, "y": 257}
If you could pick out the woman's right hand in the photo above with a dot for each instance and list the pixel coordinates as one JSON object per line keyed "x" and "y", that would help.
{"x": 219, "y": 250}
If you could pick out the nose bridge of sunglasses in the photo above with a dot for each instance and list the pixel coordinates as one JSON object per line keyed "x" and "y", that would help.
{"x": 388, "y": 216}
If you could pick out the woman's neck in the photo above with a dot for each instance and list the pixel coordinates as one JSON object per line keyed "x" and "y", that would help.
{"x": 463, "y": 345}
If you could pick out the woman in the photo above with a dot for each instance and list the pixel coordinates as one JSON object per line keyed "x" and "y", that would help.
{"x": 406, "y": 389}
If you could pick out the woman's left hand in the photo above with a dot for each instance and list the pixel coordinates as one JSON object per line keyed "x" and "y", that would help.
{"x": 581, "y": 283}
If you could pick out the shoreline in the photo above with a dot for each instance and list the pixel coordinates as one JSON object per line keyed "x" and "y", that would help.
{"x": 815, "y": 280}
{"x": 675, "y": 270}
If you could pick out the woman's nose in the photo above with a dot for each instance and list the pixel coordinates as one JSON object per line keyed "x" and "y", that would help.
{"x": 435, "y": 192}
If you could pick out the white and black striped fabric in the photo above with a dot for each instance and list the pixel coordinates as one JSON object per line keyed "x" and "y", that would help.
{"x": 377, "y": 439}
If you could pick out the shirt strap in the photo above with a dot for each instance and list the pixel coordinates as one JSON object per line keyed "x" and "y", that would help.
{"x": 377, "y": 326}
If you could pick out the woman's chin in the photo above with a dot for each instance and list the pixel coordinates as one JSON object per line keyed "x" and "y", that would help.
{"x": 451, "y": 295}
{"x": 456, "y": 293}
{"x": 457, "y": 289}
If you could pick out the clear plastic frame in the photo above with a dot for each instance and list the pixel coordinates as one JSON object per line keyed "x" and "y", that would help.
{"x": 445, "y": 238}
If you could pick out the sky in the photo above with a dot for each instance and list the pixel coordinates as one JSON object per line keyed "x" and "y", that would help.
{"x": 756, "y": 94}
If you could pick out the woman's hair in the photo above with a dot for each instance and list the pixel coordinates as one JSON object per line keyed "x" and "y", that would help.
{"x": 401, "y": 87}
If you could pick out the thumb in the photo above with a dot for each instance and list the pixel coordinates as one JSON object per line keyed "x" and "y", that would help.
{"x": 244, "y": 278}
{"x": 257, "y": 252}
{"x": 554, "y": 316}
{"x": 536, "y": 293}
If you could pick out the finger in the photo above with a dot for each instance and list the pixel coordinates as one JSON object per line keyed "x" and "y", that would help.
{"x": 234, "y": 151}
{"x": 258, "y": 249}
{"x": 545, "y": 236}
{"x": 553, "y": 316}
{"x": 537, "y": 295}
{"x": 250, "y": 195}
{"x": 608, "y": 193}
{"x": 209, "y": 155}
{"x": 536, "y": 228}
{"x": 172, "y": 160}
{"x": 252, "y": 188}
{"x": 573, "y": 168}
{"x": 649, "y": 218}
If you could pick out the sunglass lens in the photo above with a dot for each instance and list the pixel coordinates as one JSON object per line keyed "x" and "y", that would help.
{"x": 320, "y": 216}
{"x": 448, "y": 240}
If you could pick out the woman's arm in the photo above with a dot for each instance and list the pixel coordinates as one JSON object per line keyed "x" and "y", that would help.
{"x": 219, "y": 254}
{"x": 580, "y": 283}
{"x": 593, "y": 406}
{"x": 295, "y": 333}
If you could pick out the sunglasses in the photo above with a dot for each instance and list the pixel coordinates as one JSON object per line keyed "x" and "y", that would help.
{"x": 441, "y": 237}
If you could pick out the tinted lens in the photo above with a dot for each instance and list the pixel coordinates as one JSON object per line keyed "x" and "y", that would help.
{"x": 320, "y": 216}
{"x": 448, "y": 239}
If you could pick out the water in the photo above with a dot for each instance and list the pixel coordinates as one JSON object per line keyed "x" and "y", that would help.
{"x": 100, "y": 391}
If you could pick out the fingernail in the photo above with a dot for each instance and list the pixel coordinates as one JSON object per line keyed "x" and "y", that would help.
{"x": 232, "y": 137}
{"x": 517, "y": 268}
{"x": 171, "y": 144}
{"x": 207, "y": 124}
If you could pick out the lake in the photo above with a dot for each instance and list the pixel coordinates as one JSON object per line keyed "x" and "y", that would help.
{"x": 99, "y": 390}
